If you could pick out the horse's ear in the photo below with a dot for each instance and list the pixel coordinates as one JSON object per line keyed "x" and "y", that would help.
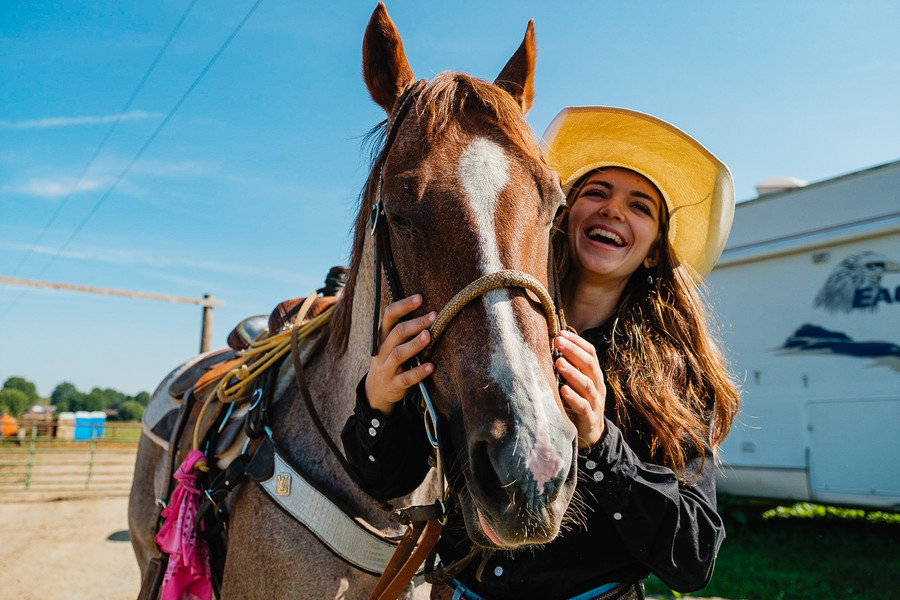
{"x": 517, "y": 77}
{"x": 385, "y": 68}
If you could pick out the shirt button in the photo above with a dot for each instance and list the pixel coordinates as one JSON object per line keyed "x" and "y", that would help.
{"x": 598, "y": 476}
{"x": 498, "y": 571}
{"x": 372, "y": 458}
{"x": 617, "y": 516}
{"x": 375, "y": 422}
{"x": 590, "y": 465}
{"x": 372, "y": 431}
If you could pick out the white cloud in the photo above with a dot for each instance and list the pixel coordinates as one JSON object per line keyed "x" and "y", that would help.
{"x": 56, "y": 122}
{"x": 57, "y": 186}
{"x": 158, "y": 260}
{"x": 53, "y": 188}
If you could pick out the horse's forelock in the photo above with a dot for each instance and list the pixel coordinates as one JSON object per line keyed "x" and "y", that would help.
{"x": 442, "y": 100}
{"x": 449, "y": 94}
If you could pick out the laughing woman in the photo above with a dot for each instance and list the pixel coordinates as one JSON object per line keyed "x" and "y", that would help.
{"x": 648, "y": 210}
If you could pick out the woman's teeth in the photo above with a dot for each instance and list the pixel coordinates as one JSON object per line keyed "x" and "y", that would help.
{"x": 602, "y": 235}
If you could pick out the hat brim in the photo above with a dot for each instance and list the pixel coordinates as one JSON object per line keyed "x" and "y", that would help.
{"x": 697, "y": 187}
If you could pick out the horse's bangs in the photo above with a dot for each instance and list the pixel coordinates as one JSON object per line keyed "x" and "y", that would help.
{"x": 449, "y": 94}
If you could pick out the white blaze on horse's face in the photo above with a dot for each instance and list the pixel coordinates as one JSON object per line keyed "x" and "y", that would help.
{"x": 484, "y": 173}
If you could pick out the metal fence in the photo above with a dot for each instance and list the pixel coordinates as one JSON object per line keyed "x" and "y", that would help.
{"x": 43, "y": 463}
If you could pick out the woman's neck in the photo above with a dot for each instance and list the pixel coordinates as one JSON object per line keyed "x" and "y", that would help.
{"x": 589, "y": 305}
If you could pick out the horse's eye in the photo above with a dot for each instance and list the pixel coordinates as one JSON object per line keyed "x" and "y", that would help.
{"x": 399, "y": 221}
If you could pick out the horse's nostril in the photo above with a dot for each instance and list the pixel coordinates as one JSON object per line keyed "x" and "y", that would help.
{"x": 482, "y": 467}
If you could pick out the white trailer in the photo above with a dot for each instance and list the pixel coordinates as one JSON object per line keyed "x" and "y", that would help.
{"x": 807, "y": 294}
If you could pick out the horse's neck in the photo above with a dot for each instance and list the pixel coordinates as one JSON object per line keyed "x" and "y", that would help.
{"x": 343, "y": 369}
{"x": 332, "y": 377}
{"x": 357, "y": 357}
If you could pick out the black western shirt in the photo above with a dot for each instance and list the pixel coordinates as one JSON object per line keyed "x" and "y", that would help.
{"x": 637, "y": 517}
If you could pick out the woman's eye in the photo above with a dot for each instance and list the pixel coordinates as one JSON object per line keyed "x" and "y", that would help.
{"x": 643, "y": 208}
{"x": 595, "y": 193}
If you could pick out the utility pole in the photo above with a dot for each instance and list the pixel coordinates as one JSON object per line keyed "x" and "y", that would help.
{"x": 206, "y": 327}
{"x": 208, "y": 302}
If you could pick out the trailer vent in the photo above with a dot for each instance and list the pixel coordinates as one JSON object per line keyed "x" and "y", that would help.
{"x": 778, "y": 184}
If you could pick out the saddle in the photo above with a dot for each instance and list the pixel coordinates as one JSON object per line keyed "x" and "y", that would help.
{"x": 202, "y": 375}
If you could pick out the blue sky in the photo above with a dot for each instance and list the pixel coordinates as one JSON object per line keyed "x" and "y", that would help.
{"x": 247, "y": 192}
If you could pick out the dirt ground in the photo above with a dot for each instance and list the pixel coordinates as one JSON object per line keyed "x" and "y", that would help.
{"x": 66, "y": 548}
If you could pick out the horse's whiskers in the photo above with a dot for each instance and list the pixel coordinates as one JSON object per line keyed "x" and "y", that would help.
{"x": 576, "y": 514}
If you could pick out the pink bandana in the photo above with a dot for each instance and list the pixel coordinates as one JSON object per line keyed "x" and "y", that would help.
{"x": 188, "y": 575}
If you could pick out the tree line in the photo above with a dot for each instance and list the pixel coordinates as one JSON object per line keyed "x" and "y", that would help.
{"x": 18, "y": 395}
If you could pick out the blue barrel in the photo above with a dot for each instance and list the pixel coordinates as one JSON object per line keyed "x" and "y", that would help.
{"x": 98, "y": 420}
{"x": 84, "y": 425}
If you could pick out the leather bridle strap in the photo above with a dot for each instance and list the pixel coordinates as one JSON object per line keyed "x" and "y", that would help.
{"x": 384, "y": 258}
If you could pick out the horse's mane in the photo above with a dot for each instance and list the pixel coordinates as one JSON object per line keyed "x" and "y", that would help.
{"x": 443, "y": 98}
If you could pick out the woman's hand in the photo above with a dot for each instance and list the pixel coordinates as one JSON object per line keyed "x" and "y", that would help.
{"x": 387, "y": 381}
{"x": 585, "y": 390}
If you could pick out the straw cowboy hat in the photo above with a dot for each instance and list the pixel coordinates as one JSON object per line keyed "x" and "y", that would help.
{"x": 697, "y": 187}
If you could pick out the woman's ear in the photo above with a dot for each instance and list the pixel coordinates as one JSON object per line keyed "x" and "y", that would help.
{"x": 652, "y": 258}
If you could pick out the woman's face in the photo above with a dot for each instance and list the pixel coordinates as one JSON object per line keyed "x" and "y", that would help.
{"x": 614, "y": 226}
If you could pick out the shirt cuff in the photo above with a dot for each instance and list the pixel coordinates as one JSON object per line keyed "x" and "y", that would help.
{"x": 608, "y": 467}
{"x": 371, "y": 423}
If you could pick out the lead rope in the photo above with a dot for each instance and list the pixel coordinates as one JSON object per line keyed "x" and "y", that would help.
{"x": 482, "y": 285}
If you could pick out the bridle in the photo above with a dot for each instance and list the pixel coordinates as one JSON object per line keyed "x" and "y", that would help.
{"x": 384, "y": 262}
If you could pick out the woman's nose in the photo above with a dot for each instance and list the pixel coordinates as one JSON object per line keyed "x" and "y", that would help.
{"x": 612, "y": 209}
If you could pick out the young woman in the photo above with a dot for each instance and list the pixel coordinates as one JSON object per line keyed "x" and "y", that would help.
{"x": 648, "y": 210}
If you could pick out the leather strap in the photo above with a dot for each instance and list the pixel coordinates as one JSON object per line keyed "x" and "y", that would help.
{"x": 383, "y": 257}
{"x": 410, "y": 554}
{"x": 339, "y": 532}
{"x": 153, "y": 576}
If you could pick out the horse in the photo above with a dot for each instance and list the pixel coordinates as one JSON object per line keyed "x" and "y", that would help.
{"x": 464, "y": 193}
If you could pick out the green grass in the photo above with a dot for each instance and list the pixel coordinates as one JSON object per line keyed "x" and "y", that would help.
{"x": 804, "y": 551}
{"x": 122, "y": 432}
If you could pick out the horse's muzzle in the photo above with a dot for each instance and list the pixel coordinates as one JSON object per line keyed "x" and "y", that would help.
{"x": 521, "y": 493}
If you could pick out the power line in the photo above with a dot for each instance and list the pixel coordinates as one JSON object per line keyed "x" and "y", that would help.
{"x": 143, "y": 149}
{"x": 108, "y": 135}
{"x": 152, "y": 137}
{"x": 207, "y": 300}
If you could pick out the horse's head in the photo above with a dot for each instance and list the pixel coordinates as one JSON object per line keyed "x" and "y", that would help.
{"x": 466, "y": 193}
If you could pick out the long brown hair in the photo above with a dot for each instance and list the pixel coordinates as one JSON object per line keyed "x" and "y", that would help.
{"x": 664, "y": 366}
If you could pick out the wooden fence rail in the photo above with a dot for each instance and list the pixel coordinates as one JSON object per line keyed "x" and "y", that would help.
{"x": 35, "y": 463}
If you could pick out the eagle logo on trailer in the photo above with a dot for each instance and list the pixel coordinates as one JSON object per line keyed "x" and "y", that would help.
{"x": 856, "y": 284}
